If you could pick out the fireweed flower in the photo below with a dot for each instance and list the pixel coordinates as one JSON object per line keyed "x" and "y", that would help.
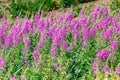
{"x": 8, "y": 41}
{"x": 49, "y": 34}
{"x": 108, "y": 34}
{"x": 59, "y": 36}
{"x": 41, "y": 63}
{"x": 119, "y": 15}
{"x": 114, "y": 46}
{"x": 56, "y": 67}
{"x": 103, "y": 55}
{"x": 16, "y": 40}
{"x": 116, "y": 29}
{"x": 117, "y": 71}
{"x": 75, "y": 37}
{"x": 106, "y": 70}
{"x": 95, "y": 65}
{"x": 6, "y": 27}
{"x": 25, "y": 61}
{"x": 17, "y": 21}
{"x": 86, "y": 23}
{"x": 27, "y": 42}
{"x": 2, "y": 35}
{"x": 37, "y": 16}
{"x": 96, "y": 13}
{"x": 92, "y": 33}
{"x": 114, "y": 22}
{"x": 105, "y": 11}
{"x": 65, "y": 46}
{"x": 41, "y": 44}
{"x": 97, "y": 26}
{"x": 53, "y": 51}
{"x": 36, "y": 54}
{"x": 70, "y": 17}
{"x": 41, "y": 26}
{"x": 27, "y": 27}
{"x": 23, "y": 77}
{"x": 25, "y": 49}
{"x": 56, "y": 41}
{"x": 105, "y": 23}
{"x": 16, "y": 30}
{"x": 84, "y": 43}
{"x": 112, "y": 58}
{"x": 70, "y": 48}
{"x": 16, "y": 36}
{"x": 3, "y": 21}
{"x": 82, "y": 13}
{"x": 2, "y": 63}
{"x": 85, "y": 35}
{"x": 13, "y": 78}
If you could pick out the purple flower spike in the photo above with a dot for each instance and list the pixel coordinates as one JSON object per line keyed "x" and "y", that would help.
{"x": 8, "y": 41}
{"x": 103, "y": 55}
{"x": 106, "y": 70}
{"x": 56, "y": 67}
{"x": 41, "y": 44}
{"x": 36, "y": 54}
{"x": 105, "y": 11}
{"x": 41, "y": 64}
{"x": 13, "y": 78}
{"x": 117, "y": 71}
{"x": 70, "y": 17}
{"x": 37, "y": 16}
{"x": 108, "y": 34}
{"x": 92, "y": 32}
{"x": 26, "y": 61}
{"x": 82, "y": 13}
{"x": 114, "y": 46}
{"x": 53, "y": 51}
{"x": 2, "y": 63}
{"x": 4, "y": 21}
{"x": 85, "y": 35}
{"x": 26, "y": 42}
{"x": 95, "y": 65}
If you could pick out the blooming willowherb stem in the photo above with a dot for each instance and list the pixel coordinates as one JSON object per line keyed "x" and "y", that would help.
{"x": 108, "y": 34}
{"x": 2, "y": 63}
{"x": 105, "y": 11}
{"x": 57, "y": 68}
{"x": 27, "y": 42}
{"x": 106, "y": 70}
{"x": 37, "y": 17}
{"x": 114, "y": 46}
{"x": 25, "y": 61}
{"x": 117, "y": 71}
{"x": 36, "y": 54}
{"x": 103, "y": 55}
{"x": 13, "y": 78}
{"x": 8, "y": 41}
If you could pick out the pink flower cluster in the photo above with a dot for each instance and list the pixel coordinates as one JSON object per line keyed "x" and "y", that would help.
{"x": 103, "y": 55}
{"x": 2, "y": 63}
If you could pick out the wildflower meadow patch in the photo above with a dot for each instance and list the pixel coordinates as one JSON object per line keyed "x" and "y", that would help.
{"x": 64, "y": 48}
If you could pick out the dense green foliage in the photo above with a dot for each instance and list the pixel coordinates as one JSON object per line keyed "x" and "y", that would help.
{"x": 115, "y": 6}
{"x": 30, "y": 7}
{"x": 67, "y": 3}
